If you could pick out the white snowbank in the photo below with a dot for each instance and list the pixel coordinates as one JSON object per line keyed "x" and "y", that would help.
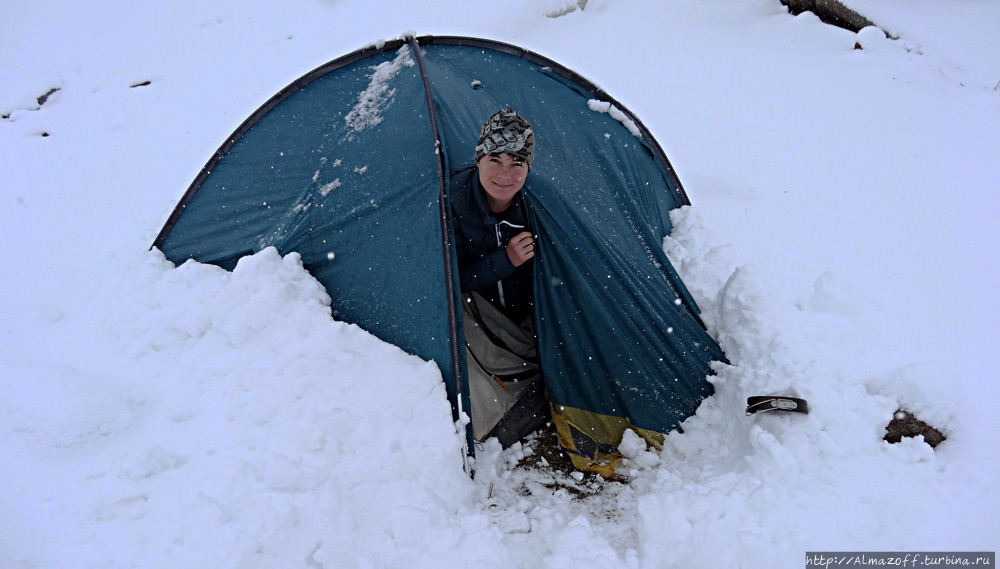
{"x": 233, "y": 428}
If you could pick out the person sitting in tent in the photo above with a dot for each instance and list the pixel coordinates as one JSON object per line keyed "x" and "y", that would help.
{"x": 495, "y": 249}
{"x": 495, "y": 246}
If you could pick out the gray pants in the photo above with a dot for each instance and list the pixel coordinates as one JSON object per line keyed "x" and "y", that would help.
{"x": 505, "y": 381}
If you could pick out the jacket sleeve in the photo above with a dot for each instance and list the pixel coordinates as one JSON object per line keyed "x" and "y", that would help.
{"x": 485, "y": 271}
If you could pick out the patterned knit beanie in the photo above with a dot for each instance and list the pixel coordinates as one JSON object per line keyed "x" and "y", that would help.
{"x": 507, "y": 132}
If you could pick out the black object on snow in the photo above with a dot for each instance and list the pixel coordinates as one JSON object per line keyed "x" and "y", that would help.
{"x": 776, "y": 403}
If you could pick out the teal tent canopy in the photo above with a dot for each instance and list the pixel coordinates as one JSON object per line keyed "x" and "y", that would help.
{"x": 349, "y": 167}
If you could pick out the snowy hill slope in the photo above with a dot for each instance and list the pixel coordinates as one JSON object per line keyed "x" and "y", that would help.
{"x": 841, "y": 246}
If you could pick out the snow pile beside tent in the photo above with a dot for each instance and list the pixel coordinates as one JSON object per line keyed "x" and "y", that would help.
{"x": 826, "y": 478}
{"x": 234, "y": 428}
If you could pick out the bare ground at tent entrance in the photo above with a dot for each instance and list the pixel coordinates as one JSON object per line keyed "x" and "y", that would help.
{"x": 532, "y": 488}
{"x": 549, "y": 469}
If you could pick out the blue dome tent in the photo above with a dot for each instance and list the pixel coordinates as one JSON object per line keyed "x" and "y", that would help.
{"x": 349, "y": 166}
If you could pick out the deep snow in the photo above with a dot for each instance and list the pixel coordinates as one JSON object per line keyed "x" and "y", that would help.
{"x": 841, "y": 246}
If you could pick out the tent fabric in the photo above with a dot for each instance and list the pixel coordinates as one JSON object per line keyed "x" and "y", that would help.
{"x": 591, "y": 439}
{"x": 337, "y": 172}
{"x": 342, "y": 167}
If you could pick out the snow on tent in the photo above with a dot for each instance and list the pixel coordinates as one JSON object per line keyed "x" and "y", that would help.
{"x": 349, "y": 167}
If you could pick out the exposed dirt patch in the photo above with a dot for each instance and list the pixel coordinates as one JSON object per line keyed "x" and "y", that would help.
{"x": 904, "y": 424}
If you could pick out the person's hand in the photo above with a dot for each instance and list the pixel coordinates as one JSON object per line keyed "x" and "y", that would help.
{"x": 520, "y": 248}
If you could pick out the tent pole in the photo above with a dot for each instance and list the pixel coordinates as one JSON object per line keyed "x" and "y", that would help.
{"x": 449, "y": 277}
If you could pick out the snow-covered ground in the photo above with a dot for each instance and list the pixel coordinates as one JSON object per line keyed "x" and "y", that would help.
{"x": 842, "y": 246}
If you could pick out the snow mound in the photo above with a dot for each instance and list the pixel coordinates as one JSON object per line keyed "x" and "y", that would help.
{"x": 240, "y": 425}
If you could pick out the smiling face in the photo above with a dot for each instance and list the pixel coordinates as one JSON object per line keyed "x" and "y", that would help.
{"x": 502, "y": 176}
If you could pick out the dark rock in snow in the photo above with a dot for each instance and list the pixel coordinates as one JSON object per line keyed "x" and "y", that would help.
{"x": 831, "y": 12}
{"x": 41, "y": 100}
{"x": 904, "y": 424}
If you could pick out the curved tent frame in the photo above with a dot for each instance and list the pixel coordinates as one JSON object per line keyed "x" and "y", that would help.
{"x": 392, "y": 46}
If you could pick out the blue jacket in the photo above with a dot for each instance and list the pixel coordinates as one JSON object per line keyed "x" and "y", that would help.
{"x": 481, "y": 239}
